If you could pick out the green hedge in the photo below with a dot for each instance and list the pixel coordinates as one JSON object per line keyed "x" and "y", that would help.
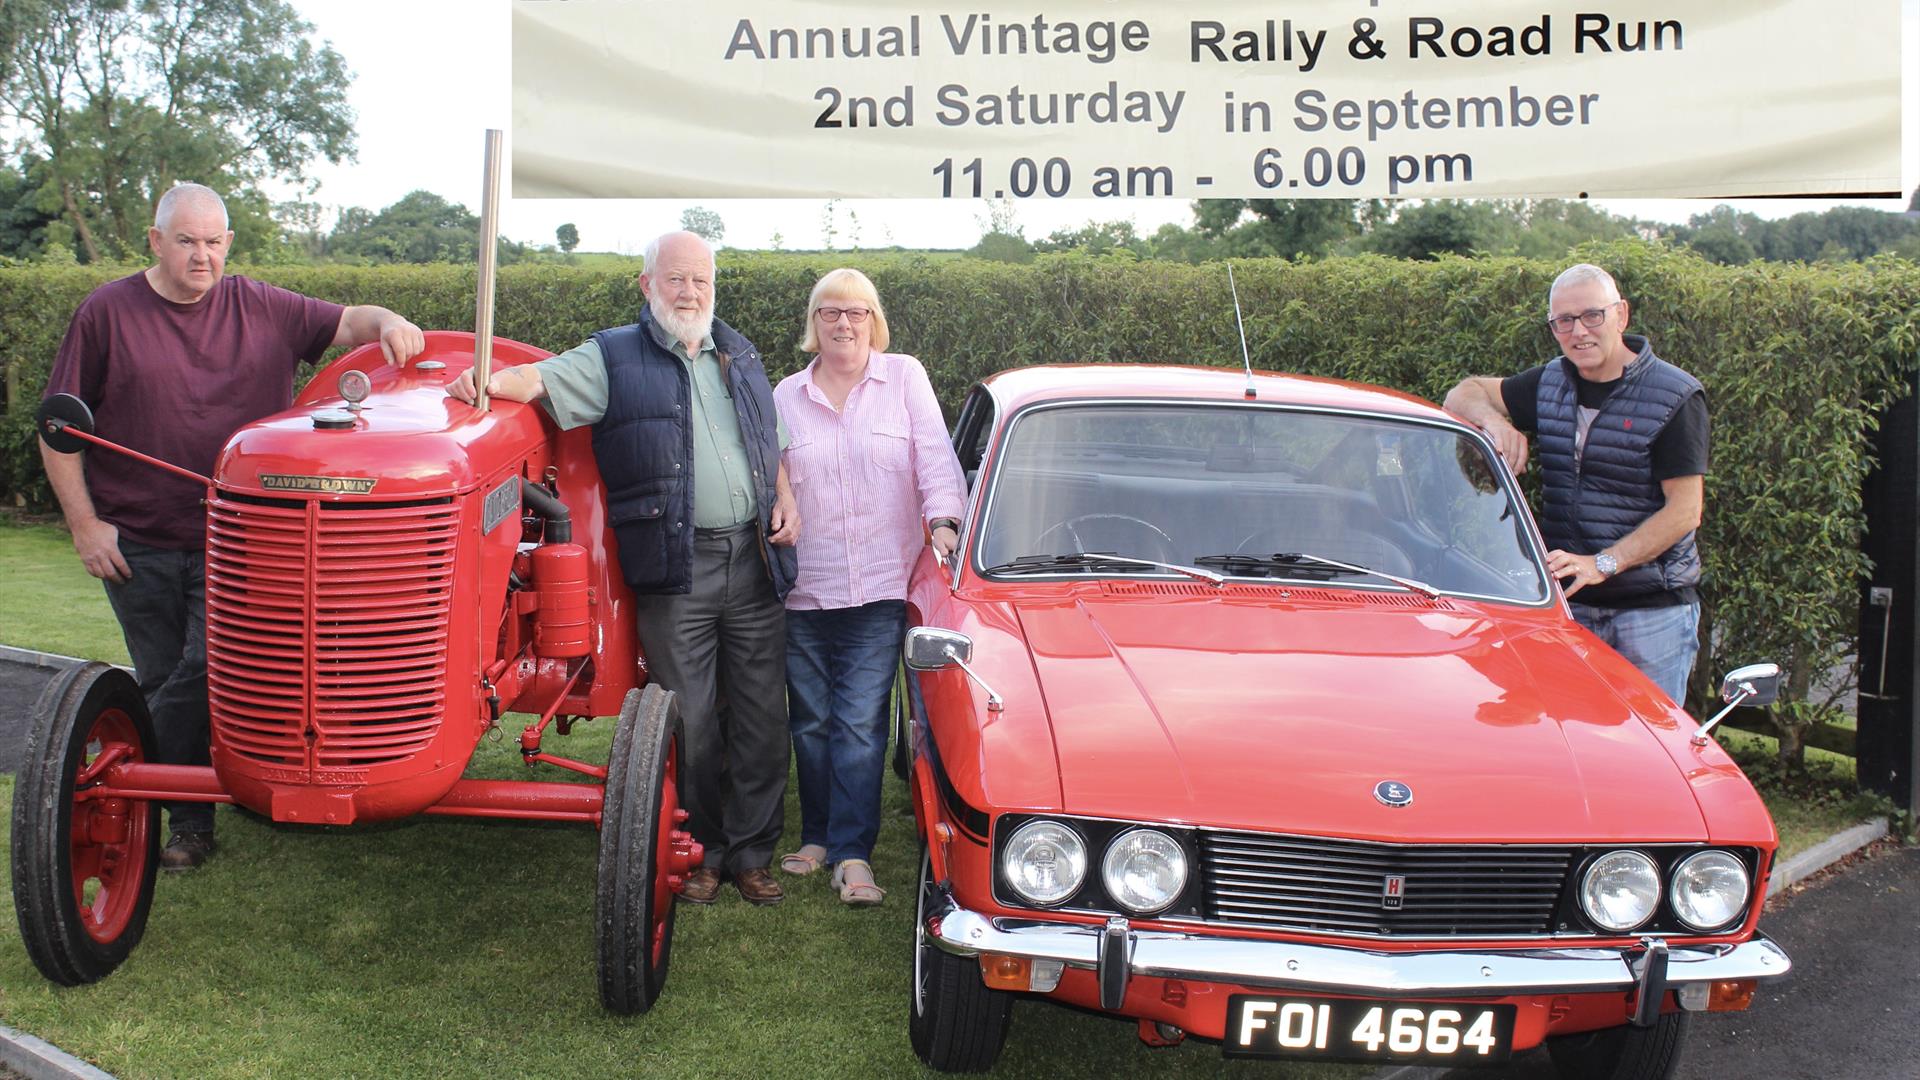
{"x": 1796, "y": 360}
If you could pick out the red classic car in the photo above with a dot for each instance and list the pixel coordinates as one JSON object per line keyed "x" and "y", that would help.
{"x": 1248, "y": 709}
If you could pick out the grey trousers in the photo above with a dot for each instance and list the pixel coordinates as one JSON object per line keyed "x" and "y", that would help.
{"x": 722, "y": 649}
{"x": 162, "y": 610}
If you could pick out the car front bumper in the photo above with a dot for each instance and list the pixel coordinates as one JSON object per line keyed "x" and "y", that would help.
{"x": 1118, "y": 953}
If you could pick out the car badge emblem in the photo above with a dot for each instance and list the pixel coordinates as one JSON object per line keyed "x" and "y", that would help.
{"x": 1393, "y": 892}
{"x": 1393, "y": 793}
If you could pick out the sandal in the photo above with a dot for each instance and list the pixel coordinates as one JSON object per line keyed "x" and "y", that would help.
{"x": 809, "y": 858}
{"x": 855, "y": 892}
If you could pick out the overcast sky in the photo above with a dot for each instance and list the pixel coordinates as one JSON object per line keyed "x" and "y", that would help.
{"x": 432, "y": 75}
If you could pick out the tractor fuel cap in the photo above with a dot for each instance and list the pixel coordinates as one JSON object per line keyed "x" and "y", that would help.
{"x": 333, "y": 420}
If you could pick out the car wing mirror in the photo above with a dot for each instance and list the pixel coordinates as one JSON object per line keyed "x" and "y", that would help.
{"x": 930, "y": 648}
{"x": 1752, "y": 685}
{"x": 59, "y": 417}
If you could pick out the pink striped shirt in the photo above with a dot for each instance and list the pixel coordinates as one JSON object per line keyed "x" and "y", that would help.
{"x": 865, "y": 479}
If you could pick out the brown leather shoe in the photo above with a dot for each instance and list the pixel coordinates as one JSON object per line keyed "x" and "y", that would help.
{"x": 758, "y": 887}
{"x": 186, "y": 850}
{"x": 702, "y": 887}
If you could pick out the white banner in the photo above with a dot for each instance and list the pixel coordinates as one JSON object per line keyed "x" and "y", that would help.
{"x": 1209, "y": 98}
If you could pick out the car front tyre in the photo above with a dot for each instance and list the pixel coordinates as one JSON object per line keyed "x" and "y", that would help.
{"x": 1622, "y": 1053}
{"x": 955, "y": 1022}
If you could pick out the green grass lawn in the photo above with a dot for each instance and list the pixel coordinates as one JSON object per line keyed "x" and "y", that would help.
{"x": 439, "y": 947}
{"x": 446, "y": 948}
{"x": 50, "y": 603}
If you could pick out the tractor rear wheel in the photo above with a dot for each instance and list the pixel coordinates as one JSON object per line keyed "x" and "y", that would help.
{"x": 83, "y": 867}
{"x": 644, "y": 857}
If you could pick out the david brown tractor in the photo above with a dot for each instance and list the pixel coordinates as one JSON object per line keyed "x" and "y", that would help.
{"x": 389, "y": 570}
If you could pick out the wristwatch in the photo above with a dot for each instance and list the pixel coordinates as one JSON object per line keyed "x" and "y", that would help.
{"x": 948, "y": 523}
{"x": 1606, "y": 564}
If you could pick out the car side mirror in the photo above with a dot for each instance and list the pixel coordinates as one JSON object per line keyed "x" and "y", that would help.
{"x": 1751, "y": 684}
{"x": 59, "y": 413}
{"x": 930, "y": 648}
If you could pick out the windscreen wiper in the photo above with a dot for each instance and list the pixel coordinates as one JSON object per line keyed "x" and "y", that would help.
{"x": 1097, "y": 560}
{"x": 1240, "y": 562}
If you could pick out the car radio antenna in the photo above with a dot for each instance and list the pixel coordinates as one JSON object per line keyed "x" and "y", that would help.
{"x": 1241, "y": 324}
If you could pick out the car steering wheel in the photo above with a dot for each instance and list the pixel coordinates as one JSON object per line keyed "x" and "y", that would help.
{"x": 1159, "y": 538}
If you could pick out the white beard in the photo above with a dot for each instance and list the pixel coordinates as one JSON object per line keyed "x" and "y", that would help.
{"x": 684, "y": 328}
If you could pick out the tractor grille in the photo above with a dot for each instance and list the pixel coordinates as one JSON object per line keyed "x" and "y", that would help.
{"x": 327, "y": 628}
{"x": 1342, "y": 886}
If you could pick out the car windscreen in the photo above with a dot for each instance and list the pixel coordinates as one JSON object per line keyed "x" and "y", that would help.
{"x": 1234, "y": 486}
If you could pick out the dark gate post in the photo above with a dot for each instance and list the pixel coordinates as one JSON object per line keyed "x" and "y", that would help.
{"x": 1889, "y": 712}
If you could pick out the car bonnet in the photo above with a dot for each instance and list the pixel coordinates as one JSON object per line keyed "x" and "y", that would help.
{"x": 1241, "y": 711}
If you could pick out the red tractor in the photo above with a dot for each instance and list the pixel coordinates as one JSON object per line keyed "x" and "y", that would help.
{"x": 389, "y": 570}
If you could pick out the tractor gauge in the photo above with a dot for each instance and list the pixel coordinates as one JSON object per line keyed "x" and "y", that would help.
{"x": 354, "y": 387}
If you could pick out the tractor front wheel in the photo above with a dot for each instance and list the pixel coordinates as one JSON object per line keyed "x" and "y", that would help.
{"x": 83, "y": 867}
{"x": 644, "y": 855}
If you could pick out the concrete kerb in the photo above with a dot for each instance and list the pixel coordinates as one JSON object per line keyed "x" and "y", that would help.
{"x": 45, "y": 659}
{"x": 39, "y": 1060}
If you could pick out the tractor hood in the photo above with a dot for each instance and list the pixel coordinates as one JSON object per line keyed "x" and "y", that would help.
{"x": 407, "y": 440}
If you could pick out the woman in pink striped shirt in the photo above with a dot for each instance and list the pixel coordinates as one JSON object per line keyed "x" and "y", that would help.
{"x": 870, "y": 462}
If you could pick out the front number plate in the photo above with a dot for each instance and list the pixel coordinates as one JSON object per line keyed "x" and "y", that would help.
{"x": 1338, "y": 1029}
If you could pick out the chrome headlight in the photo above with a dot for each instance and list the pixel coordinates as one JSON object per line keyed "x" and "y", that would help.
{"x": 1710, "y": 890}
{"x": 1145, "y": 870}
{"x": 1620, "y": 890}
{"x": 1044, "y": 862}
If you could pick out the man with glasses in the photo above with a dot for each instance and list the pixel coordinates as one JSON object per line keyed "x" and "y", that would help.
{"x": 1623, "y": 453}
{"x": 688, "y": 442}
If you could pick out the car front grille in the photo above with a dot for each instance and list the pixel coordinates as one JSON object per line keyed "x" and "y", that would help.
{"x": 1319, "y": 885}
{"x": 327, "y": 628}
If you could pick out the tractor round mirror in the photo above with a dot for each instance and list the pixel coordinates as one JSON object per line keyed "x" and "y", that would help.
{"x": 59, "y": 413}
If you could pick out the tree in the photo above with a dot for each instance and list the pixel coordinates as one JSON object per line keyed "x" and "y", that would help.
{"x": 1003, "y": 247}
{"x": 1289, "y": 228}
{"x": 122, "y": 98}
{"x": 703, "y": 223}
{"x": 421, "y": 228}
{"x": 569, "y": 237}
{"x": 299, "y": 223}
{"x": 23, "y": 225}
{"x": 1443, "y": 227}
{"x": 1104, "y": 238}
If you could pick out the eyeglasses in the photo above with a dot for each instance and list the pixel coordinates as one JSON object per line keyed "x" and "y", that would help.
{"x": 855, "y": 315}
{"x": 1589, "y": 318}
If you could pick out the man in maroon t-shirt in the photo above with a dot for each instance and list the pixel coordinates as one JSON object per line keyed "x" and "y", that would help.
{"x": 172, "y": 361}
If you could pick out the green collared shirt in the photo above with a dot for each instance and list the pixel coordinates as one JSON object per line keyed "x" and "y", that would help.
{"x": 723, "y": 491}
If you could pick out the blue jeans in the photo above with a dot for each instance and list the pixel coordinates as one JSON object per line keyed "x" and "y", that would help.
{"x": 840, "y": 666}
{"x": 162, "y": 610}
{"x": 1660, "y": 641}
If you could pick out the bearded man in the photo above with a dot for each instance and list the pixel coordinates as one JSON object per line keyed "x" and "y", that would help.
{"x": 689, "y": 445}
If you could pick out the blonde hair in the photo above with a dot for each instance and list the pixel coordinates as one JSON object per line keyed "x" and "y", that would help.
{"x": 845, "y": 284}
